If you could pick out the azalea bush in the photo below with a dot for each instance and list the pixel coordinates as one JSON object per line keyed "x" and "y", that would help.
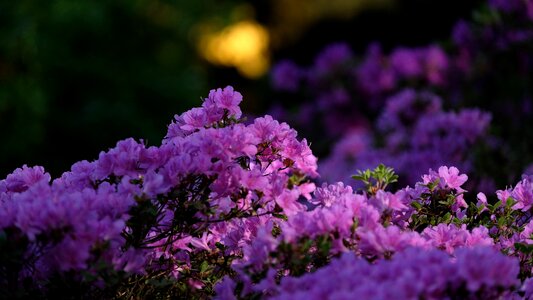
{"x": 149, "y": 221}
{"x": 407, "y": 203}
{"x": 463, "y": 101}
{"x": 230, "y": 209}
{"x": 424, "y": 242}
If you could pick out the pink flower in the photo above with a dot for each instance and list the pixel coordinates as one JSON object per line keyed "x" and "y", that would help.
{"x": 227, "y": 99}
{"x": 482, "y": 200}
{"x": 130, "y": 261}
{"x": 503, "y": 195}
{"x": 523, "y": 194}
{"x": 288, "y": 200}
{"x": 479, "y": 237}
{"x": 330, "y": 219}
{"x": 194, "y": 119}
{"x": 527, "y": 233}
{"x": 387, "y": 201}
{"x": 203, "y": 242}
{"x": 451, "y": 178}
{"x": 195, "y": 284}
{"x": 327, "y": 195}
{"x": 306, "y": 189}
{"x": 446, "y": 237}
{"x": 385, "y": 240}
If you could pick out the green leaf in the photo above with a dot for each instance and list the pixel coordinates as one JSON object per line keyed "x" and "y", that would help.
{"x": 280, "y": 216}
{"x": 204, "y": 266}
{"x": 496, "y": 206}
{"x": 433, "y": 184}
{"x": 416, "y": 205}
{"x": 524, "y": 248}
{"x": 307, "y": 245}
{"x": 324, "y": 245}
{"x": 446, "y": 217}
{"x": 510, "y": 202}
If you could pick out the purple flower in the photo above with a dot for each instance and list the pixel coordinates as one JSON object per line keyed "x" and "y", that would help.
{"x": 413, "y": 274}
{"x": 403, "y": 110}
{"x": 407, "y": 62}
{"x": 329, "y": 194}
{"x": 527, "y": 287}
{"x": 225, "y": 98}
{"x": 386, "y": 201}
{"x": 224, "y": 289}
{"x": 333, "y": 57}
{"x": 194, "y": 119}
{"x": 446, "y": 237}
{"x": 502, "y": 271}
{"x": 23, "y": 178}
{"x": 506, "y": 6}
{"x": 203, "y": 242}
{"x": 436, "y": 65}
{"x": 462, "y": 34}
{"x": 373, "y": 75}
{"x": 523, "y": 194}
{"x": 382, "y": 241}
{"x": 286, "y": 76}
{"x": 131, "y": 261}
{"x": 288, "y": 201}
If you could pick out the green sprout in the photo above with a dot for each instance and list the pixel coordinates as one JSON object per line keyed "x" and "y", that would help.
{"x": 377, "y": 179}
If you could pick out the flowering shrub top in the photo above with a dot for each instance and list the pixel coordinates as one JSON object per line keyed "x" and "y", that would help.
{"x": 231, "y": 210}
{"x": 423, "y": 242}
{"x": 152, "y": 211}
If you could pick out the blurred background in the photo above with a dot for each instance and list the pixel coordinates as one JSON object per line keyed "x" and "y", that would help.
{"x": 76, "y": 76}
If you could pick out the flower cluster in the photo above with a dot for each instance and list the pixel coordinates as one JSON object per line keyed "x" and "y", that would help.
{"x": 234, "y": 210}
{"x": 151, "y": 211}
{"x": 386, "y": 107}
{"x": 414, "y": 274}
{"x": 231, "y": 210}
{"x": 391, "y": 231}
{"x": 416, "y": 135}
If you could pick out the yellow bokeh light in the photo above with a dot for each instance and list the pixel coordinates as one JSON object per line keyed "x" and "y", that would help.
{"x": 243, "y": 45}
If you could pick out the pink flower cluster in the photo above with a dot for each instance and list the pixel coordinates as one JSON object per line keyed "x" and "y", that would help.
{"x": 233, "y": 205}
{"x": 212, "y": 181}
{"x": 378, "y": 228}
{"x": 64, "y": 226}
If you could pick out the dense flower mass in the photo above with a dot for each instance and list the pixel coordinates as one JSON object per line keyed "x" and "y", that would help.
{"x": 414, "y": 274}
{"x": 138, "y": 210}
{"x": 230, "y": 210}
{"x": 456, "y": 102}
{"x": 403, "y": 206}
